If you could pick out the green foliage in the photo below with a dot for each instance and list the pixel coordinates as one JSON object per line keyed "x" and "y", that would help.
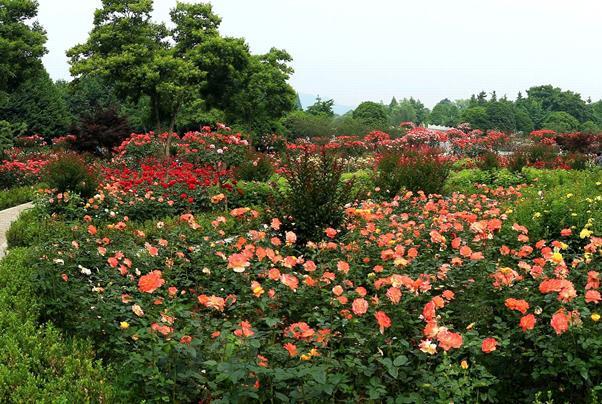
{"x": 411, "y": 171}
{"x": 300, "y": 124}
{"x": 186, "y": 69}
{"x": 315, "y": 196}
{"x": 21, "y": 43}
{"x": 38, "y": 364}
{"x": 477, "y": 117}
{"x": 590, "y": 127}
{"x": 321, "y": 107}
{"x": 553, "y": 99}
{"x": 39, "y": 105}
{"x": 466, "y": 181}
{"x": 403, "y": 111}
{"x": 561, "y": 122}
{"x": 88, "y": 94}
{"x": 256, "y": 167}
{"x": 252, "y": 194}
{"x": 501, "y": 116}
{"x": 372, "y": 114}
{"x": 33, "y": 228}
{"x": 15, "y": 196}
{"x": 362, "y": 183}
{"x": 71, "y": 173}
{"x": 524, "y": 123}
{"x": 8, "y": 133}
{"x": 560, "y": 199}
{"x": 445, "y": 113}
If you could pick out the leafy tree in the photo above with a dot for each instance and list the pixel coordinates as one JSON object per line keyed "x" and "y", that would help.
{"x": 445, "y": 113}
{"x": 21, "y": 43}
{"x": 553, "y": 99}
{"x": 298, "y": 105}
{"x": 347, "y": 125}
{"x": 596, "y": 112}
{"x": 101, "y": 131}
{"x": 404, "y": 111}
{"x": 422, "y": 112}
{"x": 8, "y": 133}
{"x": 482, "y": 98}
{"x": 501, "y": 115}
{"x": 561, "y": 122}
{"x": 88, "y": 94}
{"x": 265, "y": 95}
{"x": 372, "y": 114}
{"x": 534, "y": 109}
{"x": 590, "y": 127}
{"x": 39, "y": 105}
{"x": 523, "y": 120}
{"x": 393, "y": 103}
{"x": 132, "y": 52}
{"x": 477, "y": 117}
{"x": 321, "y": 107}
{"x": 301, "y": 124}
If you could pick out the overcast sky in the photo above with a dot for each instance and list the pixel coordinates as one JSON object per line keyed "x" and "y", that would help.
{"x": 353, "y": 50}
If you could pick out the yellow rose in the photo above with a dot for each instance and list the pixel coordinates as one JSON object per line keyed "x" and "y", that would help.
{"x": 124, "y": 325}
{"x": 585, "y": 233}
{"x": 595, "y": 317}
{"x": 464, "y": 364}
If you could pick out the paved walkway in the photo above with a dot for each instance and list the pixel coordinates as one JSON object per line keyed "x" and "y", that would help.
{"x": 6, "y": 218}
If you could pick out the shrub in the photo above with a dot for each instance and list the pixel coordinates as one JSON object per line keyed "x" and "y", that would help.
{"x": 256, "y": 167}
{"x": 15, "y": 197}
{"x": 560, "y": 199}
{"x": 8, "y": 133}
{"x": 70, "y": 172}
{"x": 38, "y": 364}
{"x": 489, "y": 161}
{"x": 414, "y": 171}
{"x": 32, "y": 228}
{"x": 101, "y": 132}
{"x": 251, "y": 193}
{"x": 315, "y": 196}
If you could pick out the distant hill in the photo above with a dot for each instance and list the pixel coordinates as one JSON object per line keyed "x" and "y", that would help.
{"x": 309, "y": 99}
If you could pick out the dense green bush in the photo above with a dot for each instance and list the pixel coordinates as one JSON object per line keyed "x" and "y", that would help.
{"x": 71, "y": 173}
{"x": 412, "y": 171}
{"x": 36, "y": 363}
{"x": 466, "y": 181}
{"x": 256, "y": 167}
{"x": 362, "y": 184}
{"x": 315, "y": 195}
{"x": 560, "y": 199}
{"x": 32, "y": 228}
{"x": 251, "y": 193}
{"x": 15, "y": 196}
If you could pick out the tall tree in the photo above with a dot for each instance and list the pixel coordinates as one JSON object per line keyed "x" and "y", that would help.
{"x": 39, "y": 105}
{"x": 445, "y": 113}
{"x": 554, "y": 99}
{"x": 134, "y": 53}
{"x": 372, "y": 114}
{"x": 21, "y": 43}
{"x": 321, "y": 107}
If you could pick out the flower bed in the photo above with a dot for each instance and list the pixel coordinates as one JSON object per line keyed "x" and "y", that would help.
{"x": 440, "y": 293}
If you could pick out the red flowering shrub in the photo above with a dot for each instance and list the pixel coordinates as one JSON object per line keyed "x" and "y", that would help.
{"x": 415, "y": 170}
{"x": 159, "y": 189}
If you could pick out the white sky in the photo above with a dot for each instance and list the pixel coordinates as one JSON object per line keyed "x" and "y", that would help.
{"x": 353, "y": 50}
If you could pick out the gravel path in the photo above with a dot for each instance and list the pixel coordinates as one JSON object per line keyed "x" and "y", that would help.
{"x": 6, "y": 218}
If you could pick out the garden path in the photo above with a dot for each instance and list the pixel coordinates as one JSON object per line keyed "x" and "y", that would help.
{"x": 8, "y": 216}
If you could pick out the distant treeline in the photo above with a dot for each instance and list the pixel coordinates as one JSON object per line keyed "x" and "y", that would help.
{"x": 133, "y": 74}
